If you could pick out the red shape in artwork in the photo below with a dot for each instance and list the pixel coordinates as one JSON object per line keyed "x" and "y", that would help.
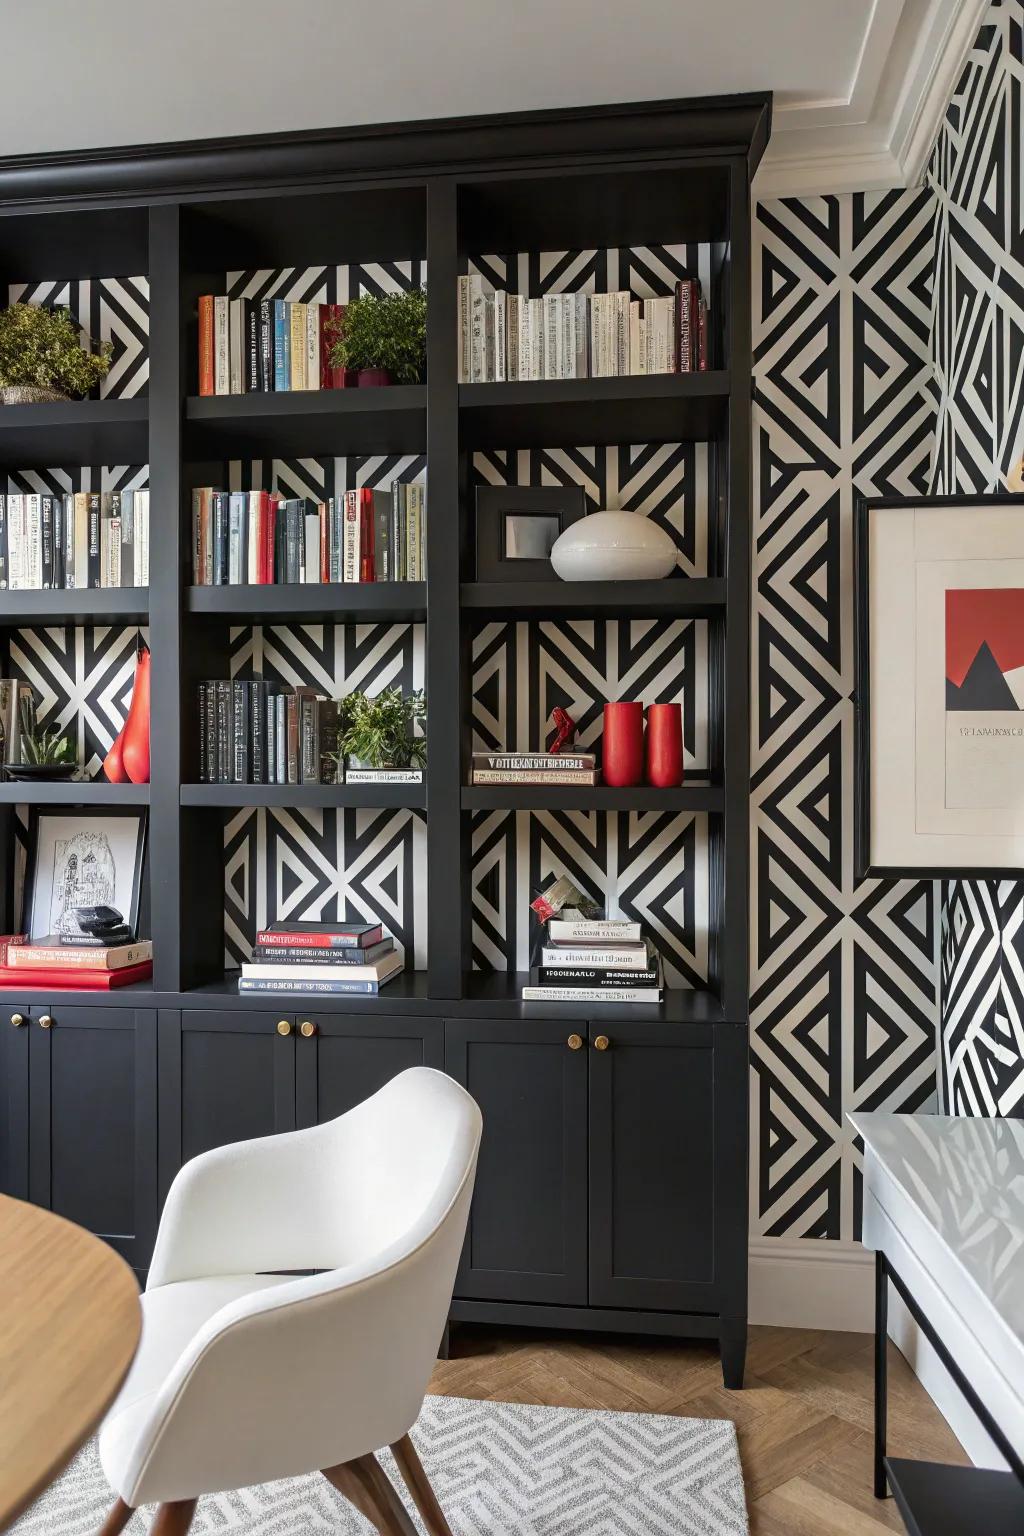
{"x": 976, "y": 616}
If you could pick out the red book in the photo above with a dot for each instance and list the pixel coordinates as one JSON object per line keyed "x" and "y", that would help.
{"x": 6, "y": 941}
{"x": 268, "y": 529}
{"x": 330, "y": 377}
{"x": 206, "y": 344}
{"x": 366, "y": 536}
{"x": 24, "y": 978}
{"x": 295, "y": 936}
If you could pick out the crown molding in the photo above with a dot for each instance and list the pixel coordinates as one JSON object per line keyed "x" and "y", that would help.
{"x": 882, "y": 134}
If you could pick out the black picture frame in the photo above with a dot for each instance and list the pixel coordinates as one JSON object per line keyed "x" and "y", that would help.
{"x": 864, "y": 866}
{"x": 85, "y": 814}
{"x": 496, "y": 503}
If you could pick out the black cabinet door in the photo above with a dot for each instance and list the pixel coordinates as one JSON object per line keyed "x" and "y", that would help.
{"x": 653, "y": 1155}
{"x": 224, "y": 1076}
{"x": 15, "y": 1032}
{"x": 92, "y": 1097}
{"x": 347, "y": 1058}
{"x": 527, "y": 1237}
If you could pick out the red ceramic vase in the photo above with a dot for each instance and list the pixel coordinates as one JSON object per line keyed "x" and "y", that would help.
{"x": 113, "y": 763}
{"x": 135, "y": 752}
{"x": 622, "y": 758}
{"x": 665, "y": 745}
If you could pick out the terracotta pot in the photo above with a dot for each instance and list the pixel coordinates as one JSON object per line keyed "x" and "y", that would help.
{"x": 135, "y": 752}
{"x": 622, "y": 747}
{"x": 665, "y": 745}
{"x": 372, "y": 378}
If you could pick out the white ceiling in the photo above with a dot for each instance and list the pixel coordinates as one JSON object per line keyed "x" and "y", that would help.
{"x": 857, "y": 83}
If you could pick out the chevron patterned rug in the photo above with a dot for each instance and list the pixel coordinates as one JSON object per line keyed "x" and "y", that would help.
{"x": 499, "y": 1469}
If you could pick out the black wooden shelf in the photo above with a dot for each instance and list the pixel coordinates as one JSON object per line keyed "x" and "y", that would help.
{"x": 297, "y": 796}
{"x": 95, "y": 793}
{"x": 600, "y": 797}
{"x": 501, "y": 991}
{"x": 348, "y": 602}
{"x": 307, "y": 422}
{"x": 545, "y": 413}
{"x": 405, "y": 993}
{"x": 939, "y": 1500}
{"x": 675, "y": 597}
{"x": 72, "y": 432}
{"x": 86, "y": 605}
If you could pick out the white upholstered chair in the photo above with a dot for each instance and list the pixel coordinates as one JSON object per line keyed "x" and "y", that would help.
{"x": 245, "y": 1375}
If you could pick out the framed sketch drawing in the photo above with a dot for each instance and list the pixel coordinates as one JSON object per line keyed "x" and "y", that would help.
{"x": 82, "y": 858}
{"x": 940, "y": 686}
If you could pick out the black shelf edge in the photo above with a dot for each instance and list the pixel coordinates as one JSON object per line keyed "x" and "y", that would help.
{"x": 939, "y": 1500}
{"x": 297, "y": 796}
{"x": 600, "y": 797}
{"x": 500, "y": 990}
{"x": 675, "y": 597}
{"x": 351, "y": 602}
{"x": 392, "y": 419}
{"x": 84, "y": 605}
{"x": 664, "y": 407}
{"x": 406, "y": 992}
{"x": 68, "y": 432}
{"x": 97, "y": 793}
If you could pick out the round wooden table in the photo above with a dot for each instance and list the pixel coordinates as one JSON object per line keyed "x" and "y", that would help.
{"x": 69, "y": 1329}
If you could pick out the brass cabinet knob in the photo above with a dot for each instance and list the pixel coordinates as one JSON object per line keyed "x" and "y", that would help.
{"x": 45, "y": 1022}
{"x": 601, "y": 1043}
{"x": 17, "y": 1019}
{"x": 307, "y": 1029}
{"x": 284, "y": 1026}
{"x": 574, "y": 1042}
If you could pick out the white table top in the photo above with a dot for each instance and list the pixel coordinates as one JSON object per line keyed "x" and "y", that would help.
{"x": 966, "y": 1178}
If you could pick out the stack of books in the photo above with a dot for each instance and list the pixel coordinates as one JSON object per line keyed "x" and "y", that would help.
{"x": 76, "y": 961}
{"x": 327, "y": 958}
{"x": 505, "y": 337}
{"x": 266, "y": 346}
{"x": 256, "y": 732}
{"x": 258, "y": 537}
{"x": 89, "y": 539}
{"x": 534, "y": 768}
{"x": 595, "y": 960}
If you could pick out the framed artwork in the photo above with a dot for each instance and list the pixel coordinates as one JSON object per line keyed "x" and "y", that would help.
{"x": 82, "y": 858}
{"x": 516, "y": 526}
{"x": 939, "y": 724}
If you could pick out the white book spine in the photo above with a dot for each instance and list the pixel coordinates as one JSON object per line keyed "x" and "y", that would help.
{"x": 34, "y": 541}
{"x": 311, "y": 571}
{"x": 634, "y": 336}
{"x": 252, "y": 543}
{"x": 16, "y": 542}
{"x": 114, "y": 553}
{"x": 582, "y": 336}
{"x": 622, "y": 334}
{"x": 568, "y": 359}
{"x": 350, "y": 545}
{"x": 142, "y": 538}
{"x": 551, "y": 335}
{"x": 641, "y": 346}
{"x": 489, "y": 338}
{"x": 312, "y": 346}
{"x": 500, "y": 336}
{"x": 588, "y": 995}
{"x": 415, "y": 524}
{"x": 463, "y": 322}
{"x": 81, "y": 515}
{"x": 236, "y": 345}
{"x": 513, "y": 337}
{"x": 478, "y": 353}
{"x": 597, "y": 956}
{"x": 221, "y": 361}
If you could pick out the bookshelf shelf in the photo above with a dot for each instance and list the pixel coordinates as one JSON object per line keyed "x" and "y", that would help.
{"x": 548, "y": 413}
{"x": 600, "y": 797}
{"x": 98, "y": 792}
{"x": 364, "y": 602}
{"x": 87, "y": 605}
{"x": 679, "y": 1005}
{"x": 74, "y": 432}
{"x": 674, "y": 598}
{"x": 309, "y": 422}
{"x": 288, "y": 796}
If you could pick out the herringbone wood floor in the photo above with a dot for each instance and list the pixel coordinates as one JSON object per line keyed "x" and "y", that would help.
{"x": 803, "y": 1417}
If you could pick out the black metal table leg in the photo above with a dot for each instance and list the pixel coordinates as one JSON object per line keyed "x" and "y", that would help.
{"x": 881, "y": 1371}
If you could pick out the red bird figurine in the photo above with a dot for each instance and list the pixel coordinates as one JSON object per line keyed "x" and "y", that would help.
{"x": 565, "y": 729}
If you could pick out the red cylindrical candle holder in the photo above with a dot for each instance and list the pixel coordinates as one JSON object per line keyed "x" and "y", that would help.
{"x": 665, "y": 745}
{"x": 622, "y": 758}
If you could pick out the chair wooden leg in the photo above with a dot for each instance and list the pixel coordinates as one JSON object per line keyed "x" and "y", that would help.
{"x": 366, "y": 1486}
{"x": 173, "y": 1519}
{"x": 118, "y": 1518}
{"x": 418, "y": 1484}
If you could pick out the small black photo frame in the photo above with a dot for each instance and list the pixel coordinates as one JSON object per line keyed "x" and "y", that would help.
{"x": 516, "y": 525}
{"x": 82, "y": 857}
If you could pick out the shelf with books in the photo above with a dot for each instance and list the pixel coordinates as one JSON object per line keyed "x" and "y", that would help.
{"x": 405, "y": 993}
{"x": 97, "y": 792}
{"x": 75, "y": 432}
{"x": 500, "y": 991}
{"x": 600, "y": 797}
{"x": 295, "y": 796}
{"x": 390, "y": 419}
{"x": 340, "y": 602}
{"x": 88, "y": 605}
{"x": 675, "y": 597}
{"x": 547, "y": 413}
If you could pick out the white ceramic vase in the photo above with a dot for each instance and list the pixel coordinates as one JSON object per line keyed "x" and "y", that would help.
{"x": 613, "y": 546}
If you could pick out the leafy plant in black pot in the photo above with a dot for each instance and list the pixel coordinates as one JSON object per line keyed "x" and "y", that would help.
{"x": 379, "y": 732}
{"x": 383, "y": 338}
{"x": 44, "y": 754}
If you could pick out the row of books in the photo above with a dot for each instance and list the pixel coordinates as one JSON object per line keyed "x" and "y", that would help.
{"x": 505, "y": 337}
{"x": 259, "y": 537}
{"x": 534, "y": 768}
{"x": 266, "y": 346}
{"x": 321, "y": 959}
{"x": 88, "y": 539}
{"x": 73, "y": 960}
{"x": 595, "y": 960}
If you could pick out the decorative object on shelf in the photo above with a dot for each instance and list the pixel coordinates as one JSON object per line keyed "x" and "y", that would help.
{"x": 383, "y": 338}
{"x": 379, "y": 733}
{"x": 622, "y": 748}
{"x": 517, "y": 527}
{"x": 664, "y": 745}
{"x": 565, "y": 729}
{"x": 614, "y": 546}
{"x": 42, "y": 358}
{"x": 82, "y": 858}
{"x": 128, "y": 758}
{"x": 45, "y": 755}
{"x": 940, "y": 686}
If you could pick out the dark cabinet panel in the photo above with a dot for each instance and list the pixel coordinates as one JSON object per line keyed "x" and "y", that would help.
{"x": 652, "y": 1169}
{"x": 527, "y": 1236}
{"x": 14, "y": 1038}
{"x": 349, "y": 1057}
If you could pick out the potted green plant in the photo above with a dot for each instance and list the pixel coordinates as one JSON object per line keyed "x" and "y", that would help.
{"x": 383, "y": 338}
{"x": 379, "y": 732}
{"x": 44, "y": 754}
{"x": 42, "y": 358}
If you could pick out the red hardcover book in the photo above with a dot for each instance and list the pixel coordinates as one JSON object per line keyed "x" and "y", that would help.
{"x": 330, "y": 377}
{"x": 367, "y": 570}
{"x": 206, "y": 344}
{"x": 25, "y": 978}
{"x": 702, "y": 337}
{"x": 268, "y": 530}
{"x": 294, "y": 935}
{"x": 8, "y": 940}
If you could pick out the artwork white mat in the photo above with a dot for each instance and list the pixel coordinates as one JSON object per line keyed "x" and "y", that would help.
{"x": 82, "y": 860}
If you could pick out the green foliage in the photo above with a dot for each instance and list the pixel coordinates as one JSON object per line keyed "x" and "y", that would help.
{"x": 48, "y": 749}
{"x": 379, "y": 731}
{"x": 389, "y": 331}
{"x": 41, "y": 348}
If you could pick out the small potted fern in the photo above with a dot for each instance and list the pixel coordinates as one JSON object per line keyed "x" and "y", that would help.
{"x": 382, "y": 338}
{"x": 45, "y": 754}
{"x": 378, "y": 735}
{"x": 42, "y": 357}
